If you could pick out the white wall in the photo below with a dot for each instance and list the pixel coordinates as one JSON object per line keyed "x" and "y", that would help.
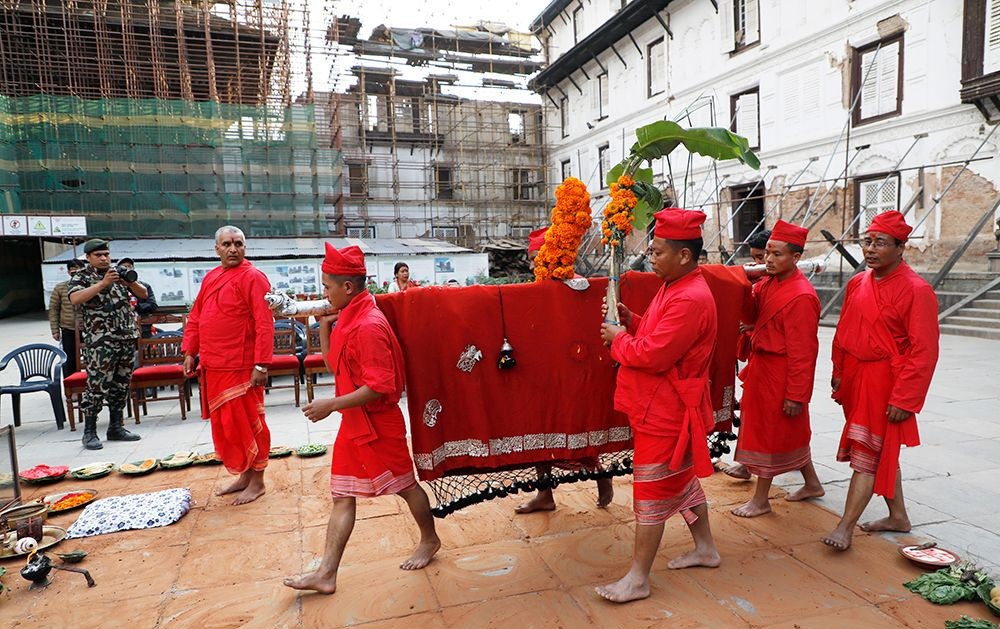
{"x": 802, "y": 59}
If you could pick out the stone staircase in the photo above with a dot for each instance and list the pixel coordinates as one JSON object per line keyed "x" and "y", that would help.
{"x": 980, "y": 319}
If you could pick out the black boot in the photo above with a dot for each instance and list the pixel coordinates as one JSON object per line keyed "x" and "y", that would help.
{"x": 90, "y": 440}
{"x": 116, "y": 429}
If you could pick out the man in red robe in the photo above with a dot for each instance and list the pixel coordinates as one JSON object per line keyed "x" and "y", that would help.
{"x": 778, "y": 378}
{"x": 884, "y": 353}
{"x": 370, "y": 456}
{"x": 231, "y": 330}
{"x": 663, "y": 388}
{"x": 544, "y": 500}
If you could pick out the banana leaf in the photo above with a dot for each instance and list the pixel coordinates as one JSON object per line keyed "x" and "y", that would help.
{"x": 660, "y": 138}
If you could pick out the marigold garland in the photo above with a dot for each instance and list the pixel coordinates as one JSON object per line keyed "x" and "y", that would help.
{"x": 619, "y": 213}
{"x": 571, "y": 218}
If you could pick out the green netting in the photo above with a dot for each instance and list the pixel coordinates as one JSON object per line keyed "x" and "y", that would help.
{"x": 147, "y": 167}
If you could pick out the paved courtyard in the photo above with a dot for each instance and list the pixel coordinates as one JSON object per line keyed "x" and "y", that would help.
{"x": 220, "y": 566}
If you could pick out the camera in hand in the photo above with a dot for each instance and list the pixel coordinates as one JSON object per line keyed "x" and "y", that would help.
{"x": 127, "y": 274}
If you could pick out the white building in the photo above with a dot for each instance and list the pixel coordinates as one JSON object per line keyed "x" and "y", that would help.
{"x": 787, "y": 74}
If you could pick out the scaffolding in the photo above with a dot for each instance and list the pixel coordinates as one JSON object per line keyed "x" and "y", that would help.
{"x": 165, "y": 118}
{"x": 423, "y": 160}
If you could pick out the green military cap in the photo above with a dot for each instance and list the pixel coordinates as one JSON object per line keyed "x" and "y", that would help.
{"x": 95, "y": 244}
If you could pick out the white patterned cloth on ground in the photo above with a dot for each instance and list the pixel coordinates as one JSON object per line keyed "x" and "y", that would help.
{"x": 138, "y": 511}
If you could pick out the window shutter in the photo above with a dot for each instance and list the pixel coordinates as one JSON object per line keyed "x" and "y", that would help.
{"x": 790, "y": 100}
{"x": 869, "y": 90}
{"x": 747, "y": 116}
{"x": 605, "y": 94}
{"x": 728, "y": 30}
{"x": 595, "y": 96}
{"x": 991, "y": 56}
{"x": 752, "y": 22}
{"x": 888, "y": 79}
{"x": 877, "y": 197}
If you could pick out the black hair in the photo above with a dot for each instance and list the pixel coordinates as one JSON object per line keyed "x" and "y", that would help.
{"x": 795, "y": 248}
{"x": 759, "y": 240}
{"x": 397, "y": 267}
{"x": 358, "y": 280}
{"x": 129, "y": 260}
{"x": 75, "y": 264}
{"x": 695, "y": 246}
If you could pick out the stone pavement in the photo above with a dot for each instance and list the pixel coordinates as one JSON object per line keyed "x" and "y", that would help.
{"x": 498, "y": 569}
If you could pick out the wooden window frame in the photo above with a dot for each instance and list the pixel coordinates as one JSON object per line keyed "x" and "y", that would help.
{"x": 565, "y": 169}
{"x": 863, "y": 179}
{"x": 737, "y": 46}
{"x": 602, "y": 150}
{"x": 856, "y": 74}
{"x": 368, "y": 229}
{"x": 564, "y": 116}
{"x": 444, "y": 193}
{"x": 649, "y": 68}
{"x": 365, "y": 190}
{"x": 602, "y": 79}
{"x": 733, "y": 101}
{"x": 577, "y": 24}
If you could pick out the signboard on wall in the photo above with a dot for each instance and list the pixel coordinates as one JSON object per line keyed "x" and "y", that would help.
{"x": 39, "y": 226}
{"x": 69, "y": 225}
{"x": 15, "y": 225}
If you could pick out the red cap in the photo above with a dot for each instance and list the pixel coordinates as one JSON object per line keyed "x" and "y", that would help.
{"x": 676, "y": 224}
{"x": 792, "y": 234}
{"x": 536, "y": 239}
{"x": 892, "y": 223}
{"x": 349, "y": 261}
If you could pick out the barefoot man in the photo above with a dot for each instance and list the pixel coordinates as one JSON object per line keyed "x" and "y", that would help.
{"x": 757, "y": 244}
{"x": 663, "y": 388}
{"x": 231, "y": 330}
{"x": 884, "y": 354}
{"x": 778, "y": 378}
{"x": 370, "y": 455}
{"x": 544, "y": 500}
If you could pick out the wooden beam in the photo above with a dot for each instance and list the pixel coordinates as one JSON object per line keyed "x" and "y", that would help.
{"x": 636, "y": 44}
{"x": 618, "y": 54}
{"x": 659, "y": 19}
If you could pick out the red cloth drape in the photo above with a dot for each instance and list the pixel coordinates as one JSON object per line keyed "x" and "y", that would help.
{"x": 556, "y": 403}
{"x": 236, "y": 410}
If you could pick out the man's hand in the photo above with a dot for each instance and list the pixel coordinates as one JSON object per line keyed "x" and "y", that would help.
{"x": 609, "y": 332}
{"x": 896, "y": 414}
{"x": 792, "y": 408}
{"x": 320, "y": 409}
{"x": 326, "y": 321}
{"x": 746, "y": 327}
{"x": 110, "y": 277}
{"x": 624, "y": 314}
{"x": 835, "y": 386}
{"x": 189, "y": 366}
{"x": 258, "y": 379}
{"x": 57, "y": 335}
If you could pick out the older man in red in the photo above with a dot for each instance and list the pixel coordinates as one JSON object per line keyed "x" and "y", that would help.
{"x": 231, "y": 330}
{"x": 778, "y": 378}
{"x": 663, "y": 387}
{"x": 884, "y": 353}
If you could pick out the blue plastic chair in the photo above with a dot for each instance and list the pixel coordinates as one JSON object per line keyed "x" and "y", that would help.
{"x": 41, "y": 370}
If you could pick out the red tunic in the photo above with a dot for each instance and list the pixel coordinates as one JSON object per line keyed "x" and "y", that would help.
{"x": 663, "y": 387}
{"x": 782, "y": 365}
{"x": 370, "y": 455}
{"x": 884, "y": 352}
{"x": 231, "y": 329}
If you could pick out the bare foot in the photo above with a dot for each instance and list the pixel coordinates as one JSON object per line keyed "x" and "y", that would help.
{"x": 605, "y": 492}
{"x": 737, "y": 471}
{"x": 313, "y": 581}
{"x": 901, "y": 525}
{"x": 422, "y": 555}
{"x": 805, "y": 492}
{"x": 626, "y": 589}
{"x": 838, "y": 539}
{"x": 542, "y": 502}
{"x": 695, "y": 558}
{"x": 237, "y": 485}
{"x": 251, "y": 493}
{"x": 751, "y": 509}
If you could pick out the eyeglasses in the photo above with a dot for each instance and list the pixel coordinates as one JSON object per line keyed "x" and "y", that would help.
{"x": 878, "y": 243}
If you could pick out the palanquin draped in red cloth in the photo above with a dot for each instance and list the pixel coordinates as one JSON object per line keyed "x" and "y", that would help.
{"x": 556, "y": 403}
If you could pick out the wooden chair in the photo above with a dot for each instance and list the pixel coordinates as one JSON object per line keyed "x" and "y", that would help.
{"x": 313, "y": 364}
{"x": 285, "y": 361}
{"x": 74, "y": 384}
{"x": 161, "y": 364}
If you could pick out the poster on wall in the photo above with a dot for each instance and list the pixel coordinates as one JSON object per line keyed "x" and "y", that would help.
{"x": 69, "y": 225}
{"x": 15, "y": 226}
{"x": 169, "y": 283}
{"x": 39, "y": 226}
{"x": 294, "y": 276}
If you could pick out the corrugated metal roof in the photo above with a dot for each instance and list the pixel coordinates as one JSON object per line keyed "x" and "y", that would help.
{"x": 181, "y": 249}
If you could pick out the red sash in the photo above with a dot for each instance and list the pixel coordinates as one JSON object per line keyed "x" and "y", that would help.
{"x": 692, "y": 392}
{"x": 781, "y": 294}
{"x": 356, "y": 425}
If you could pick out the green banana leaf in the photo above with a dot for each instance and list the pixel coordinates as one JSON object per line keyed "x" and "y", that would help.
{"x": 661, "y": 137}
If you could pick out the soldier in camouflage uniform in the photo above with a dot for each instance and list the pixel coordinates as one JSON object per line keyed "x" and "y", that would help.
{"x": 109, "y": 335}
